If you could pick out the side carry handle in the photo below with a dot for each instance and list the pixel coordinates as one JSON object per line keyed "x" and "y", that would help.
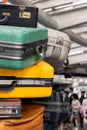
{"x": 4, "y": 20}
{"x": 8, "y": 87}
{"x": 40, "y": 50}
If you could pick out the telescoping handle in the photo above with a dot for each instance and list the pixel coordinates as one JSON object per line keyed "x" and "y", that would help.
{"x": 8, "y": 87}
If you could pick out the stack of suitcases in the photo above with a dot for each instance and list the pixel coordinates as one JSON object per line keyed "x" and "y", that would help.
{"x": 23, "y": 73}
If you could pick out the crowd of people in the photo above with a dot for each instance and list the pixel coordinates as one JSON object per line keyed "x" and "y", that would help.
{"x": 77, "y": 112}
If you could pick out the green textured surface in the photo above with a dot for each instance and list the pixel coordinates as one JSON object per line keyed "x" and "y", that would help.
{"x": 19, "y": 64}
{"x": 22, "y": 34}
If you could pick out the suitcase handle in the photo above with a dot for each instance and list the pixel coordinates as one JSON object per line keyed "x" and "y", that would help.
{"x": 8, "y": 87}
{"x": 40, "y": 50}
{"x": 4, "y": 20}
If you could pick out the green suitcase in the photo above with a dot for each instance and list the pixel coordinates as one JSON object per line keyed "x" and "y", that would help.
{"x": 21, "y": 47}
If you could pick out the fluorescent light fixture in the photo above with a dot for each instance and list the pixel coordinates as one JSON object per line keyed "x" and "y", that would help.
{"x": 75, "y": 53}
{"x": 47, "y": 10}
{"x": 62, "y": 6}
{"x": 79, "y": 2}
{"x": 81, "y": 80}
{"x": 85, "y": 81}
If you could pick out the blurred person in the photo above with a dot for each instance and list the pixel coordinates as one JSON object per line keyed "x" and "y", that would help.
{"x": 66, "y": 123}
{"x": 70, "y": 94}
{"x": 70, "y": 91}
{"x": 66, "y": 99}
{"x": 81, "y": 100}
{"x": 82, "y": 97}
{"x": 84, "y": 108}
{"x": 76, "y": 107}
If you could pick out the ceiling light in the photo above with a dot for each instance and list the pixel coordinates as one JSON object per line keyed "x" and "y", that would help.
{"x": 79, "y": 2}
{"x": 75, "y": 53}
{"x": 47, "y": 10}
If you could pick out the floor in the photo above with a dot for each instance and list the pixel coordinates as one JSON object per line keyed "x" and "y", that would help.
{"x": 85, "y": 126}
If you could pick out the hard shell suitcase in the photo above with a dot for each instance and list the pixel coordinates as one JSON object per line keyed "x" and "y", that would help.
{"x": 58, "y": 48}
{"x": 15, "y": 15}
{"x": 32, "y": 119}
{"x": 32, "y": 82}
{"x": 55, "y": 109}
{"x": 50, "y": 126}
{"x": 21, "y": 47}
{"x": 10, "y": 108}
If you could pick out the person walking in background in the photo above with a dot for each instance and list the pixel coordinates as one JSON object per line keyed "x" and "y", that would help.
{"x": 70, "y": 94}
{"x": 71, "y": 91}
{"x": 66, "y": 122}
{"x": 82, "y": 97}
{"x": 81, "y": 100}
{"x": 84, "y": 108}
{"x": 66, "y": 99}
{"x": 76, "y": 107}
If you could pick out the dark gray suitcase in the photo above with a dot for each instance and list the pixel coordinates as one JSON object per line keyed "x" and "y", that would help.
{"x": 55, "y": 109}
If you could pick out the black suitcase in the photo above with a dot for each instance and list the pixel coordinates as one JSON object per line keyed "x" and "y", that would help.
{"x": 55, "y": 109}
{"x": 10, "y": 108}
{"x": 50, "y": 126}
{"x": 18, "y": 15}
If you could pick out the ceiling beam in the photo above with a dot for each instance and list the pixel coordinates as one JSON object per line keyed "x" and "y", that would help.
{"x": 71, "y": 19}
{"x": 78, "y": 59}
{"x": 84, "y": 35}
{"x": 78, "y": 49}
{"x": 52, "y": 3}
{"x": 76, "y": 38}
{"x": 74, "y": 45}
{"x": 79, "y": 29}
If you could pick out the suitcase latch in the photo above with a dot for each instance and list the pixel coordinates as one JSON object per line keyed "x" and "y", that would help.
{"x": 24, "y": 14}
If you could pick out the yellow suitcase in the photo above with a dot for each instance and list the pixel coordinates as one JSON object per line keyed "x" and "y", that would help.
{"x": 31, "y": 82}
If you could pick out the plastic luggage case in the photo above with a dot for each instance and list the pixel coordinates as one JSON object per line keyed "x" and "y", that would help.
{"x": 10, "y": 108}
{"x": 58, "y": 48}
{"x": 21, "y": 47}
{"x": 32, "y": 119}
{"x": 50, "y": 126}
{"x": 21, "y": 15}
{"x": 32, "y": 82}
{"x": 55, "y": 109}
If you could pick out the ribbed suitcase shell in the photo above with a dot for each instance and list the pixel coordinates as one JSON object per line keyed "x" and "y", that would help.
{"x": 55, "y": 109}
{"x": 22, "y": 43}
{"x": 58, "y": 48}
{"x": 39, "y": 71}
